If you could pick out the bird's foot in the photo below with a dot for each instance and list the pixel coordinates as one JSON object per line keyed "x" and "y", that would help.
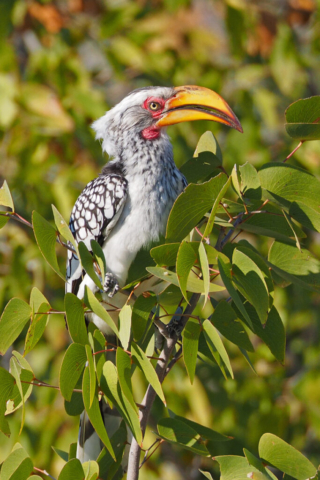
{"x": 111, "y": 285}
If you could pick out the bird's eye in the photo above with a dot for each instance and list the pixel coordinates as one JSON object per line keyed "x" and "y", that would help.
{"x": 154, "y": 106}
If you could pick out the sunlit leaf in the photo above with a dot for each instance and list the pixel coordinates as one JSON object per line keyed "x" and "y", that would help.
{"x": 75, "y": 319}
{"x": 18, "y": 465}
{"x": 46, "y": 237}
{"x": 6, "y": 197}
{"x": 226, "y": 321}
{"x": 303, "y": 119}
{"x": 14, "y": 318}
{"x": 191, "y": 206}
{"x": 94, "y": 412}
{"x": 279, "y": 454}
{"x": 147, "y": 368}
{"x": 177, "y": 432}
{"x": 214, "y": 342}
{"x": 190, "y": 342}
{"x": 73, "y": 363}
{"x": 125, "y": 316}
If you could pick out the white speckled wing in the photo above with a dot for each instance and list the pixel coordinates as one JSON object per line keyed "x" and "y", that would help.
{"x": 94, "y": 214}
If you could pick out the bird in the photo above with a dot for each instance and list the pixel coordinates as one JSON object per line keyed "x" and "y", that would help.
{"x": 127, "y": 206}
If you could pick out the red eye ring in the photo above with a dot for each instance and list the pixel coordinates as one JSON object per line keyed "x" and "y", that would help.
{"x": 154, "y": 105}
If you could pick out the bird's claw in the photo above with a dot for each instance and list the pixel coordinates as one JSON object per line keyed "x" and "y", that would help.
{"x": 111, "y": 285}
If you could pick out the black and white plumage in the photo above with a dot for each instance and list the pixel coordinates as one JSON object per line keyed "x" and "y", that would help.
{"x": 127, "y": 206}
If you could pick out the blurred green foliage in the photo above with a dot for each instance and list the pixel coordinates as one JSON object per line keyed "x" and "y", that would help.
{"x": 62, "y": 64}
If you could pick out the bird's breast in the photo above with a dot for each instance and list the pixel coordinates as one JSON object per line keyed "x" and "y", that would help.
{"x": 143, "y": 219}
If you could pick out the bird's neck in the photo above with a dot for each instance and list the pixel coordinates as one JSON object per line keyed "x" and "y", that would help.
{"x": 137, "y": 157}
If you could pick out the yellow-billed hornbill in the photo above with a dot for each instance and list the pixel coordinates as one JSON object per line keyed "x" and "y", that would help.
{"x": 127, "y": 206}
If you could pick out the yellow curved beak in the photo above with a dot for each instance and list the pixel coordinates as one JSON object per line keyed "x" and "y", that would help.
{"x": 191, "y": 103}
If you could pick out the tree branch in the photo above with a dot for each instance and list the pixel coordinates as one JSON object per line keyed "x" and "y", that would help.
{"x": 147, "y": 402}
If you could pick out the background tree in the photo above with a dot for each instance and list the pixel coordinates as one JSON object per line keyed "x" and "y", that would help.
{"x": 64, "y": 64}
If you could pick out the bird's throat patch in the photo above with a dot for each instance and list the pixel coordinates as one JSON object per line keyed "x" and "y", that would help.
{"x": 151, "y": 133}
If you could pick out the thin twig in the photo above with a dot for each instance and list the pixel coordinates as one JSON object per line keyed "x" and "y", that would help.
{"x": 146, "y": 456}
{"x": 43, "y": 384}
{"x": 294, "y": 151}
{"x": 44, "y": 472}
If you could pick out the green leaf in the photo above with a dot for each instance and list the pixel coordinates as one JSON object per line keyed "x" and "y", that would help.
{"x": 215, "y": 343}
{"x": 145, "y": 365}
{"x": 140, "y": 314}
{"x": 299, "y": 267}
{"x": 87, "y": 263}
{"x": 5, "y": 196}
{"x": 75, "y": 319}
{"x": 256, "y": 463}
{"x": 249, "y": 280}
{"x": 91, "y": 470}
{"x": 246, "y": 248}
{"x": 177, "y": 432}
{"x": 291, "y": 225}
{"x": 111, "y": 388}
{"x": 185, "y": 260}
{"x": 250, "y": 182}
{"x": 125, "y": 316}
{"x": 303, "y": 119}
{"x": 191, "y": 206}
{"x": 16, "y": 372}
{"x": 37, "y": 326}
{"x": 99, "y": 344}
{"x": 61, "y": 453}
{"x": 3, "y": 220}
{"x": 46, "y": 237}
{"x": 26, "y": 378}
{"x": 272, "y": 332}
{"x": 199, "y": 168}
{"x": 94, "y": 412}
{"x": 190, "y": 343}
{"x": 193, "y": 285}
{"x": 218, "y": 197}
{"x": 137, "y": 269}
{"x": 99, "y": 257}
{"x": 206, "y": 474}
{"x": 203, "y": 431}
{"x": 283, "y": 456}
{"x": 40, "y": 306}
{"x": 225, "y": 272}
{"x": 92, "y": 373}
{"x": 72, "y": 367}
{"x": 208, "y": 143}
{"x": 124, "y": 373}
{"x": 14, "y": 318}
{"x": 75, "y": 406}
{"x": 108, "y": 467}
{"x": 237, "y": 468}
{"x": 72, "y": 471}
{"x": 205, "y": 270}
{"x": 72, "y": 450}
{"x": 295, "y": 189}
{"x": 64, "y": 229}
{"x": 93, "y": 303}
{"x": 226, "y": 321}
{"x": 165, "y": 255}
{"x": 17, "y": 466}
{"x": 7, "y": 383}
